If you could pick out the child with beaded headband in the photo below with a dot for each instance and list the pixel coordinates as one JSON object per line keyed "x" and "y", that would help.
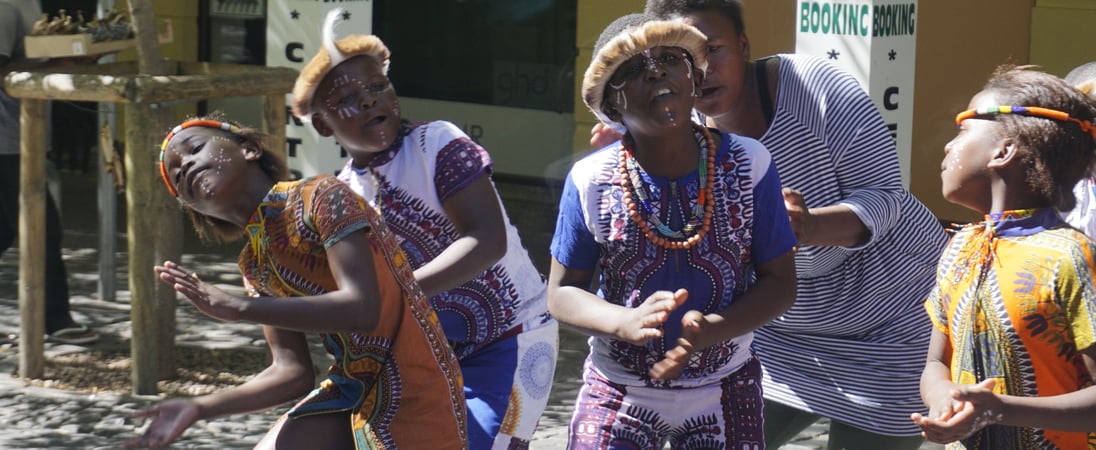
{"x": 432, "y": 184}
{"x": 319, "y": 260}
{"x": 1012, "y": 358}
{"x": 687, "y": 230}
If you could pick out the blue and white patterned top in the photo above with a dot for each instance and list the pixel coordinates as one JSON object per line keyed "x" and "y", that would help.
{"x": 434, "y": 161}
{"x": 750, "y": 227}
{"x": 853, "y": 345}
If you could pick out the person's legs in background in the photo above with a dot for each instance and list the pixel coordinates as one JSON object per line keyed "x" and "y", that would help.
{"x": 58, "y": 316}
{"x": 847, "y": 437}
{"x": 60, "y": 327}
{"x": 783, "y": 423}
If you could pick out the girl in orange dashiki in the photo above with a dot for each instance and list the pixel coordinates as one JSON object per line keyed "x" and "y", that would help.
{"x": 319, "y": 260}
{"x": 1012, "y": 360}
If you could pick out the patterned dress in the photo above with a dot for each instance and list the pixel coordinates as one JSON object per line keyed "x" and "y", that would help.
{"x": 853, "y": 345}
{"x": 400, "y": 381}
{"x": 497, "y": 322}
{"x": 595, "y": 232}
{"x": 1016, "y": 298}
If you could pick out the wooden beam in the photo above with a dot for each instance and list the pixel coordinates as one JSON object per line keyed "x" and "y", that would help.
{"x": 66, "y": 86}
{"x": 32, "y": 238}
{"x": 159, "y": 89}
{"x": 220, "y": 81}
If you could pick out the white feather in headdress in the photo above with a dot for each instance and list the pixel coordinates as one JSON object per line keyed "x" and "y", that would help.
{"x": 332, "y": 53}
{"x": 329, "y": 23}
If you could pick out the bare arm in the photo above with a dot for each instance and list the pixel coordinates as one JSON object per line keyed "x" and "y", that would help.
{"x": 1075, "y": 411}
{"x": 476, "y": 213}
{"x": 772, "y": 295}
{"x": 289, "y": 376}
{"x": 936, "y": 377}
{"x": 353, "y": 307}
{"x": 572, "y": 304}
{"x": 835, "y": 225}
{"x": 975, "y": 406}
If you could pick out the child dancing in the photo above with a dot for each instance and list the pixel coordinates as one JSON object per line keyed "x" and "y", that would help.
{"x": 320, "y": 260}
{"x": 686, "y": 229}
{"x": 1011, "y": 361}
{"x": 433, "y": 187}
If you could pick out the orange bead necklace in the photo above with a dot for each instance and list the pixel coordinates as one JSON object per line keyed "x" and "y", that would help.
{"x": 698, "y": 225}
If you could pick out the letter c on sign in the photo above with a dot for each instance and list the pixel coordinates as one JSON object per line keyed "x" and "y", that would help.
{"x": 292, "y": 51}
{"x": 889, "y": 101}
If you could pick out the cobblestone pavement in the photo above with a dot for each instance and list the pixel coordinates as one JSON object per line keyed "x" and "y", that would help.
{"x": 42, "y": 418}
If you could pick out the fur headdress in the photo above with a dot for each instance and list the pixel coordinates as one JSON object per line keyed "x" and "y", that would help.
{"x": 330, "y": 55}
{"x": 628, "y": 36}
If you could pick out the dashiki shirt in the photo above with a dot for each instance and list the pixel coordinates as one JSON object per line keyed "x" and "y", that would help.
{"x": 427, "y": 164}
{"x": 1015, "y": 296}
{"x": 400, "y": 380}
{"x": 750, "y": 227}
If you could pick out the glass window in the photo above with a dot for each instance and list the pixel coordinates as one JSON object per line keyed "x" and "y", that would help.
{"x": 494, "y": 52}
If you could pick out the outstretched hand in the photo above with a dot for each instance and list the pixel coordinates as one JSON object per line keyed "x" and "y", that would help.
{"x": 675, "y": 359}
{"x": 799, "y": 214}
{"x": 644, "y": 322}
{"x": 601, "y": 135}
{"x": 966, "y": 410}
{"x": 207, "y": 298}
{"x": 169, "y": 419}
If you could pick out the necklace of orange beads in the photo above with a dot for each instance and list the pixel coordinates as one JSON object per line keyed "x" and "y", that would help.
{"x": 657, "y": 232}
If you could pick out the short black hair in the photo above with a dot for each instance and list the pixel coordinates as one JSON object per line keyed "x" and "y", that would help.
{"x": 674, "y": 8}
{"x": 620, "y": 24}
{"x": 1058, "y": 154}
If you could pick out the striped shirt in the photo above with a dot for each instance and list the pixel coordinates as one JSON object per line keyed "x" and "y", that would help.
{"x": 853, "y": 346}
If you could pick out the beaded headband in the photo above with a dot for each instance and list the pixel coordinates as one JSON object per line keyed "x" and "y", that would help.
{"x": 1034, "y": 111}
{"x": 207, "y": 123}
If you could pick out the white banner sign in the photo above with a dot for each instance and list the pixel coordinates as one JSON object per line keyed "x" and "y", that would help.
{"x": 293, "y": 34}
{"x": 876, "y": 42}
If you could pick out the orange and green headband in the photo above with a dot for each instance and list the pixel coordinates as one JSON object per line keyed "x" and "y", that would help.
{"x": 1034, "y": 111}
{"x": 208, "y": 123}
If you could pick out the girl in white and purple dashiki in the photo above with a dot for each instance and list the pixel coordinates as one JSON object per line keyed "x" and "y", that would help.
{"x": 432, "y": 184}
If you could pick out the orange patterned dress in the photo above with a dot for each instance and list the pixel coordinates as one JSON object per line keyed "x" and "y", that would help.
{"x": 401, "y": 380}
{"x": 1015, "y": 295}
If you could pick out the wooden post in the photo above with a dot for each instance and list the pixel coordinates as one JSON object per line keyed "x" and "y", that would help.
{"x": 274, "y": 116}
{"x": 149, "y": 61}
{"x": 154, "y": 224}
{"x": 143, "y": 221}
{"x": 32, "y": 237}
{"x": 162, "y": 229}
{"x": 169, "y": 246}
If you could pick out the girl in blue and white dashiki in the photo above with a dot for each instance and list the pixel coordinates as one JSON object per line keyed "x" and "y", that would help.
{"x": 687, "y": 231}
